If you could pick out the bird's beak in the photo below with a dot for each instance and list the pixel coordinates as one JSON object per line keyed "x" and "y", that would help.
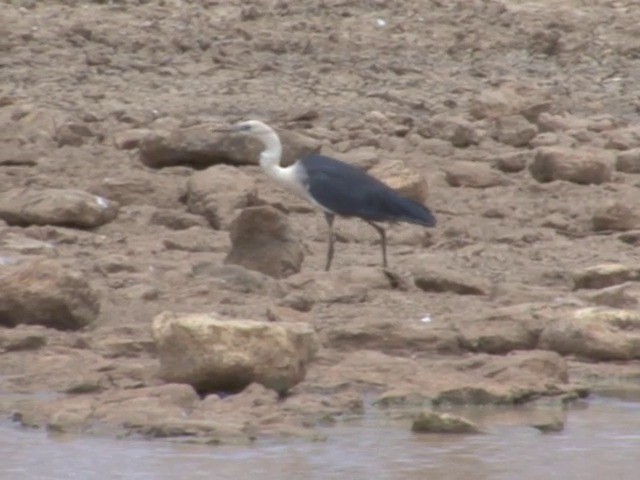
{"x": 223, "y": 129}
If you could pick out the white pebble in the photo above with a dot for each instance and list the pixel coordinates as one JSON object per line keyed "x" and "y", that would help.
{"x": 102, "y": 202}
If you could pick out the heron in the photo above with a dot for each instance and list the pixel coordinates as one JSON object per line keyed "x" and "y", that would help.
{"x": 335, "y": 187}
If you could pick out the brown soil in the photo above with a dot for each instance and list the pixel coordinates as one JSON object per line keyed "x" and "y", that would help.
{"x": 116, "y": 66}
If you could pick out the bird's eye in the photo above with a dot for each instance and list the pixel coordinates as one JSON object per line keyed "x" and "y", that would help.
{"x": 245, "y": 128}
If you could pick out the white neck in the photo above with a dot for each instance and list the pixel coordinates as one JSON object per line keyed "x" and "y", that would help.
{"x": 271, "y": 155}
{"x": 287, "y": 177}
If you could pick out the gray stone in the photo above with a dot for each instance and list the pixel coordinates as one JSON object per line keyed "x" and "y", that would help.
{"x": 474, "y": 175}
{"x": 596, "y": 333}
{"x": 577, "y": 166}
{"x": 262, "y": 240}
{"x": 215, "y": 193}
{"x": 49, "y": 293}
{"x": 70, "y": 208}
{"x": 433, "y": 422}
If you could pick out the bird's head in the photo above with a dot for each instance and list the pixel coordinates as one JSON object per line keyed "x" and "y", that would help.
{"x": 253, "y": 128}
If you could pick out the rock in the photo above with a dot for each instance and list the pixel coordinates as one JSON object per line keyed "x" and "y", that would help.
{"x": 14, "y": 156}
{"x": 111, "y": 264}
{"x": 509, "y": 99}
{"x": 605, "y": 275}
{"x": 434, "y": 279}
{"x": 22, "y": 338}
{"x": 473, "y": 175}
{"x": 502, "y": 330}
{"x": 194, "y": 239}
{"x": 227, "y": 355}
{"x": 130, "y": 139}
{"x": 515, "y": 378}
{"x": 26, "y": 246}
{"x": 238, "y": 279}
{"x": 578, "y": 166}
{"x": 72, "y": 134}
{"x": 341, "y": 285}
{"x": 217, "y": 192}
{"x": 615, "y": 216}
{"x": 406, "y": 181}
{"x": 70, "y": 208}
{"x": 35, "y": 125}
{"x": 47, "y": 292}
{"x": 630, "y": 238}
{"x": 513, "y": 162}
{"x": 201, "y": 147}
{"x": 616, "y": 296}
{"x": 624, "y": 138}
{"x": 545, "y": 139}
{"x": 388, "y": 335}
{"x": 548, "y": 122}
{"x": 457, "y": 130}
{"x": 628, "y": 161}
{"x": 262, "y": 240}
{"x": 138, "y": 188}
{"x": 176, "y": 219}
{"x": 514, "y": 130}
{"x": 596, "y": 333}
{"x": 550, "y": 426}
{"x": 432, "y": 422}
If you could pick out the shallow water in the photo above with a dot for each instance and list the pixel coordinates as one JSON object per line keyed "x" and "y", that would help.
{"x": 601, "y": 441}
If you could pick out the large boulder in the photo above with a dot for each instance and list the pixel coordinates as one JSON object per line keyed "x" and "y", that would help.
{"x": 227, "y": 355}
{"x": 49, "y": 293}
{"x": 262, "y": 240}
{"x": 596, "y": 333}
{"x": 216, "y": 192}
{"x": 202, "y": 147}
{"x": 53, "y": 206}
{"x": 605, "y": 275}
{"x": 616, "y": 216}
{"x": 578, "y": 166}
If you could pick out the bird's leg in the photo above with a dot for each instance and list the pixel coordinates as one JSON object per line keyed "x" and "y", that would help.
{"x": 383, "y": 241}
{"x": 332, "y": 238}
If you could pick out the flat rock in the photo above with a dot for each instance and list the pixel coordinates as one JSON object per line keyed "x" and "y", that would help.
{"x": 49, "y": 293}
{"x": 578, "y": 166}
{"x": 201, "y": 147}
{"x": 616, "y": 216}
{"x": 406, "y": 181}
{"x": 227, "y": 355}
{"x": 503, "y": 329}
{"x": 215, "y": 193}
{"x": 513, "y": 162}
{"x": 626, "y": 138}
{"x": 140, "y": 188}
{"x": 628, "y": 161}
{"x": 509, "y": 99}
{"x": 176, "y": 219}
{"x": 70, "y": 208}
{"x": 262, "y": 240}
{"x": 237, "y": 279}
{"x": 435, "y": 279}
{"x": 464, "y": 173}
{"x": 433, "y": 422}
{"x": 596, "y": 333}
{"x": 509, "y": 379}
{"x": 130, "y": 139}
{"x": 514, "y": 130}
{"x": 605, "y": 275}
{"x": 341, "y": 285}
